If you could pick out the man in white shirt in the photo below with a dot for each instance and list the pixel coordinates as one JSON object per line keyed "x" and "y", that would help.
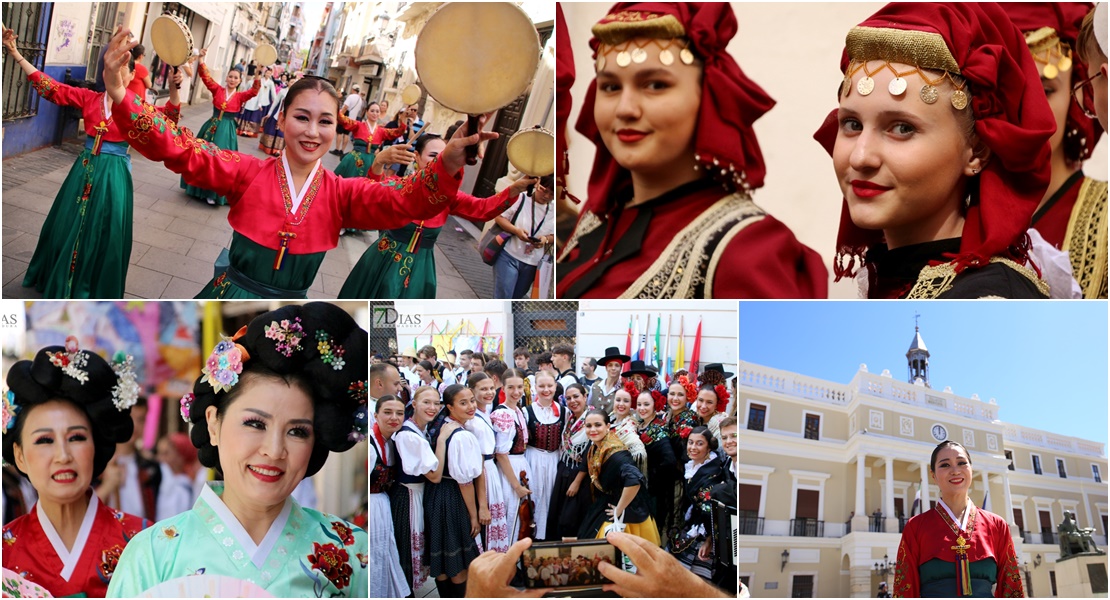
{"x": 408, "y": 358}
{"x": 562, "y": 357}
{"x": 385, "y": 379}
{"x": 352, "y": 106}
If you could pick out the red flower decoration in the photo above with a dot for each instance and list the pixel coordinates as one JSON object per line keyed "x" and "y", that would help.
{"x": 344, "y": 532}
{"x": 660, "y": 400}
{"x": 630, "y": 387}
{"x": 383, "y": 245}
{"x": 108, "y": 561}
{"x": 332, "y": 562}
{"x": 722, "y": 397}
{"x": 684, "y": 432}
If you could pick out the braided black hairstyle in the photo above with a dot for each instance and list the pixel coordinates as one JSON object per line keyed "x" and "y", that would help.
{"x": 35, "y": 382}
{"x": 337, "y": 394}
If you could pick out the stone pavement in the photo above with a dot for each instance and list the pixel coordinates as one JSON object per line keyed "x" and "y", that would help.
{"x": 177, "y": 238}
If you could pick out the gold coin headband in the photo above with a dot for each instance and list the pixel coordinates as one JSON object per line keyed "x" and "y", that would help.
{"x": 929, "y": 93}
{"x": 1051, "y": 55}
{"x": 634, "y": 51}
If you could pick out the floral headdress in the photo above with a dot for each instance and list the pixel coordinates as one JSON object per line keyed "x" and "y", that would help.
{"x": 224, "y": 365}
{"x": 126, "y": 392}
{"x": 691, "y": 389}
{"x": 722, "y": 397}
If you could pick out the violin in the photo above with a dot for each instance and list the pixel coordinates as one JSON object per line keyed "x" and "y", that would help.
{"x": 526, "y": 513}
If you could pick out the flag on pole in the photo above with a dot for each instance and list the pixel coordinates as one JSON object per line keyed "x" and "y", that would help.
{"x": 680, "y": 352}
{"x": 628, "y": 342}
{"x": 636, "y": 340}
{"x": 657, "y": 349}
{"x": 665, "y": 363}
{"x": 695, "y": 355}
{"x": 643, "y": 353}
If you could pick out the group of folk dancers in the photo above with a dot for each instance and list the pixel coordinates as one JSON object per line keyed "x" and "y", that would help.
{"x": 452, "y": 466}
{"x": 286, "y": 211}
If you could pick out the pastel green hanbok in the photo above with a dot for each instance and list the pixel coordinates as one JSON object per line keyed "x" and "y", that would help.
{"x": 306, "y": 554}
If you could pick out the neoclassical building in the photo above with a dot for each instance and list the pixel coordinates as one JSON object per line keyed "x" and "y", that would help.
{"x": 830, "y": 472}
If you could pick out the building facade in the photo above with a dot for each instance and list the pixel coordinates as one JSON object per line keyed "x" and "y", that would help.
{"x": 831, "y": 472}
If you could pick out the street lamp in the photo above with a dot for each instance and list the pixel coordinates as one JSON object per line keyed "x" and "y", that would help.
{"x": 883, "y": 569}
{"x": 785, "y": 558}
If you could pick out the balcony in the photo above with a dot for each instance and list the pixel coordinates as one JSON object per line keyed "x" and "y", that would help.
{"x": 1027, "y": 537}
{"x": 807, "y": 528}
{"x": 1048, "y": 537}
{"x": 751, "y": 525}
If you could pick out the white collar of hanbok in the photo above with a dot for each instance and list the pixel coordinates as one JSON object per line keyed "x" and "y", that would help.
{"x": 297, "y": 195}
{"x": 256, "y": 552}
{"x": 69, "y": 558}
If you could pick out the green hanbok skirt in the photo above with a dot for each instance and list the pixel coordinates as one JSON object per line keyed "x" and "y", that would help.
{"x": 250, "y": 273}
{"x": 356, "y": 163}
{"x": 388, "y": 270}
{"x": 85, "y": 244}
{"x": 219, "y": 131}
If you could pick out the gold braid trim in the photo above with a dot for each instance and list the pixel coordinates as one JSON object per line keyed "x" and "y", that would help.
{"x": 1085, "y": 240}
{"x": 918, "y": 48}
{"x": 934, "y": 280}
{"x": 682, "y": 269}
{"x": 588, "y": 222}
{"x": 623, "y": 26}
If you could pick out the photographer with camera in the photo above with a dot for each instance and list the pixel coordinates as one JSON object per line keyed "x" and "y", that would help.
{"x": 531, "y": 220}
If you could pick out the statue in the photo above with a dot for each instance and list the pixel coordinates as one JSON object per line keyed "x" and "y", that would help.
{"x": 1074, "y": 540}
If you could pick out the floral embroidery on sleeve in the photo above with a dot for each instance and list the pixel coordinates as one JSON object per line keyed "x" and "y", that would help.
{"x": 346, "y": 535}
{"x": 44, "y": 85}
{"x": 330, "y": 561}
{"x": 108, "y": 561}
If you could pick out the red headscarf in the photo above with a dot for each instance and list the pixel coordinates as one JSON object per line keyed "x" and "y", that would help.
{"x": 730, "y": 102}
{"x": 564, "y": 79}
{"x": 1066, "y": 18}
{"x": 1012, "y": 118}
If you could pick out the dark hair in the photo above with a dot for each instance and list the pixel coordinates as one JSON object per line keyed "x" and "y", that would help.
{"x": 496, "y": 368}
{"x": 317, "y": 84}
{"x": 480, "y": 356}
{"x": 945, "y": 443}
{"x": 475, "y": 378}
{"x": 511, "y": 373}
{"x": 564, "y": 349}
{"x": 450, "y": 392}
{"x": 335, "y": 393}
{"x": 548, "y": 181}
{"x": 422, "y": 141}
{"x": 137, "y": 51}
{"x": 466, "y": 353}
{"x": 379, "y": 369}
{"x": 522, "y": 352}
{"x": 427, "y": 366}
{"x": 38, "y": 381}
{"x": 387, "y": 398}
{"x": 429, "y": 351}
{"x": 452, "y": 129}
{"x": 543, "y": 359}
{"x": 597, "y": 411}
{"x": 703, "y": 431}
{"x": 579, "y": 387}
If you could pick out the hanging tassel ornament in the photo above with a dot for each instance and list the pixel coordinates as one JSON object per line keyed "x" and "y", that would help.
{"x": 963, "y": 569}
{"x": 280, "y": 258}
{"x": 100, "y": 131}
{"x": 414, "y": 243}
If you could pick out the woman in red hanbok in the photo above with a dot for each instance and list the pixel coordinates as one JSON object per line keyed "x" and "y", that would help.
{"x": 286, "y": 212}
{"x": 956, "y": 549}
{"x": 62, "y": 418}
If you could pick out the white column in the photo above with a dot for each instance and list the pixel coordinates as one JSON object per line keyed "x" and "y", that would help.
{"x": 986, "y": 487}
{"x": 924, "y": 486}
{"x": 1008, "y": 512}
{"x": 860, "y": 509}
{"x": 888, "y": 506}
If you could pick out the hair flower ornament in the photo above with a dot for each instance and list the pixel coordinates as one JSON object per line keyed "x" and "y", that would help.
{"x": 126, "y": 391}
{"x": 186, "y": 404}
{"x": 288, "y": 335}
{"x": 72, "y": 362}
{"x": 224, "y": 365}
{"x": 11, "y": 410}
{"x": 330, "y": 352}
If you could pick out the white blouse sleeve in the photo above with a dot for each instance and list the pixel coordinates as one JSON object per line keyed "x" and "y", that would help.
{"x": 506, "y": 430}
{"x": 464, "y": 457}
{"x": 416, "y": 455}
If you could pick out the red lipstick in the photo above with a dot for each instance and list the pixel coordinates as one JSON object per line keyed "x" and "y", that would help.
{"x": 630, "y": 136}
{"x": 867, "y": 189}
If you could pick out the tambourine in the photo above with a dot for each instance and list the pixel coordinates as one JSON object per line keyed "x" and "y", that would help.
{"x": 476, "y": 74}
{"x": 172, "y": 41}
{"x": 532, "y": 151}
{"x": 411, "y": 94}
{"x": 265, "y": 55}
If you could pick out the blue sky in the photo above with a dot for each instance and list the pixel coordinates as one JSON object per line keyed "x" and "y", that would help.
{"x": 1044, "y": 362}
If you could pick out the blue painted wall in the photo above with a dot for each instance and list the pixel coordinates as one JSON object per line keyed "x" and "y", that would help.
{"x": 25, "y": 135}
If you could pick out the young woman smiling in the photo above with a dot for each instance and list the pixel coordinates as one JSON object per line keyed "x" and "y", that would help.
{"x": 294, "y": 208}
{"x": 956, "y": 549}
{"x": 940, "y": 147}
{"x": 495, "y": 528}
{"x": 670, "y": 213}
{"x": 569, "y": 500}
{"x": 512, "y": 439}
{"x": 620, "y": 500}
{"x": 387, "y": 579}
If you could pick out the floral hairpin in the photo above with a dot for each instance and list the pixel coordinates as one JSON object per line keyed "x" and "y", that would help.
{"x": 359, "y": 392}
{"x": 288, "y": 335}
{"x": 72, "y": 361}
{"x": 126, "y": 391}
{"x": 691, "y": 389}
{"x": 224, "y": 365}
{"x": 330, "y": 352}
{"x": 11, "y": 410}
{"x": 722, "y": 397}
{"x": 186, "y": 404}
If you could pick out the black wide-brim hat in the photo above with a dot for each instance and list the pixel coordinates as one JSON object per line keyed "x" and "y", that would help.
{"x": 613, "y": 353}
{"x": 639, "y": 368}
{"x": 719, "y": 368}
